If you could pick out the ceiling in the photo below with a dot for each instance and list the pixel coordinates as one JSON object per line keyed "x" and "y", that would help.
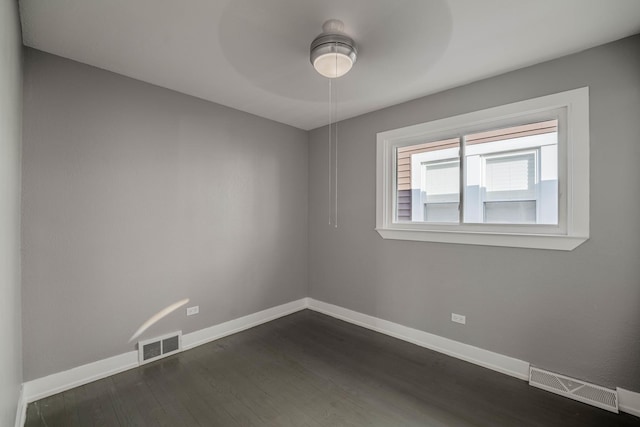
{"x": 253, "y": 55}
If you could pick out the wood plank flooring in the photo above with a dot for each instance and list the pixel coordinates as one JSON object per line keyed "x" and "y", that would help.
{"x": 308, "y": 369}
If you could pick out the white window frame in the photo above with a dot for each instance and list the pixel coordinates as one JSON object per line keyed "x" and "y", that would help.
{"x": 572, "y": 110}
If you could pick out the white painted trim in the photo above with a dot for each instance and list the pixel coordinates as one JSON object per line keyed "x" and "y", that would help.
{"x": 240, "y": 324}
{"x": 47, "y": 386}
{"x": 532, "y": 241}
{"x": 628, "y": 401}
{"x": 21, "y": 411}
{"x": 75, "y": 377}
{"x": 478, "y": 356}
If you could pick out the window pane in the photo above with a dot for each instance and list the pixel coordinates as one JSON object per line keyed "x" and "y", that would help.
{"x": 441, "y": 212}
{"x": 428, "y": 173}
{"x": 520, "y": 212}
{"x": 509, "y": 176}
{"x": 517, "y": 164}
{"x": 442, "y": 181}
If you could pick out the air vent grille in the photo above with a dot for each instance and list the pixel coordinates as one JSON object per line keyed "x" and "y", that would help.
{"x": 574, "y": 389}
{"x": 156, "y": 348}
{"x": 170, "y": 344}
{"x": 151, "y": 350}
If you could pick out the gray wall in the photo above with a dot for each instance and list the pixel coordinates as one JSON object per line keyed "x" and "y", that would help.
{"x": 135, "y": 197}
{"x": 571, "y": 312}
{"x": 10, "y": 141}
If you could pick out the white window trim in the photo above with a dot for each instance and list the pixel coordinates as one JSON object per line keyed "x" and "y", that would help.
{"x": 576, "y": 148}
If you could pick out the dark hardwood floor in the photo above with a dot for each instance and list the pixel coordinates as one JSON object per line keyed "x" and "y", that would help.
{"x": 308, "y": 369}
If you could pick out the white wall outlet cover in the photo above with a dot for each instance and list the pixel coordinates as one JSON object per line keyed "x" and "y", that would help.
{"x": 458, "y": 318}
{"x": 193, "y": 310}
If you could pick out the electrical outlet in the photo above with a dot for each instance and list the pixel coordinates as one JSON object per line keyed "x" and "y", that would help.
{"x": 193, "y": 310}
{"x": 458, "y": 318}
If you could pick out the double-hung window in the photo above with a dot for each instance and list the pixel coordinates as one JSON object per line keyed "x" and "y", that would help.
{"x": 515, "y": 175}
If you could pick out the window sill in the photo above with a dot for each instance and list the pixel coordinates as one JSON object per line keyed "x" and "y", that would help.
{"x": 532, "y": 241}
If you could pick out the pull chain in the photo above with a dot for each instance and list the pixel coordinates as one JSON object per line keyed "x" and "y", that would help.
{"x": 330, "y": 159}
{"x": 333, "y": 157}
{"x": 335, "y": 101}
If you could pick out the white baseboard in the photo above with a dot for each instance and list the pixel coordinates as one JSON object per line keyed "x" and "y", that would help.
{"x": 240, "y": 324}
{"x": 628, "y": 401}
{"x": 75, "y": 377}
{"x": 61, "y": 381}
{"x": 485, "y": 358}
{"x": 21, "y": 412}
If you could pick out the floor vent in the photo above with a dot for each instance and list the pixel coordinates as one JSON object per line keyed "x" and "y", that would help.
{"x": 159, "y": 347}
{"x": 574, "y": 389}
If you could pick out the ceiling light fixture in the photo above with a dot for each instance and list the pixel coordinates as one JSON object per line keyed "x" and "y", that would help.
{"x": 333, "y": 53}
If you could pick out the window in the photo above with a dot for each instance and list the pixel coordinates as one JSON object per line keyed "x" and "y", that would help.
{"x": 515, "y": 175}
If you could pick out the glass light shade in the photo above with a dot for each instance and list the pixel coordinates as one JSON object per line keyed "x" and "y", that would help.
{"x": 333, "y": 64}
{"x": 333, "y": 55}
